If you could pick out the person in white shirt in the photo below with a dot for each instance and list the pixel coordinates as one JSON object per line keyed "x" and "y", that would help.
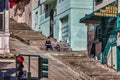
{"x": 56, "y": 45}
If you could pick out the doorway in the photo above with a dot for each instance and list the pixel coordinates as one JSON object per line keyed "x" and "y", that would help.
{"x": 52, "y": 23}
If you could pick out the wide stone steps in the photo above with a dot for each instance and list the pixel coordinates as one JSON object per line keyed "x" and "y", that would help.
{"x": 90, "y": 67}
{"x": 26, "y": 35}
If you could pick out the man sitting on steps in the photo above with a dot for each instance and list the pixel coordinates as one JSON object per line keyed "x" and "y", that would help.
{"x": 48, "y": 44}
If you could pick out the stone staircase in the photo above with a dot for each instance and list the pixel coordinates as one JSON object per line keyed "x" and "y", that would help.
{"x": 26, "y": 35}
{"x": 89, "y": 68}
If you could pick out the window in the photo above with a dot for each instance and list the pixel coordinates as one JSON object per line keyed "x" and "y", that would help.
{"x": 98, "y": 32}
{"x": 40, "y": 9}
{"x": 1, "y": 5}
{"x": 55, "y": 12}
{"x": 60, "y": 1}
{"x": 1, "y": 22}
{"x": 110, "y": 22}
{"x": 98, "y": 1}
{"x": 1, "y": 14}
{"x": 46, "y": 7}
{"x": 47, "y": 10}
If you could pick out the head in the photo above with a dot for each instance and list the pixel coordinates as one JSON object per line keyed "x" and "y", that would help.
{"x": 48, "y": 38}
{"x": 55, "y": 40}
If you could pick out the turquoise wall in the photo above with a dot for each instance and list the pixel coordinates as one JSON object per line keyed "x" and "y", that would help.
{"x": 75, "y": 10}
{"x": 57, "y": 23}
{"x": 63, "y": 6}
{"x": 63, "y": 9}
{"x": 56, "y": 28}
{"x": 78, "y": 31}
{"x": 86, "y": 4}
{"x": 44, "y": 25}
{"x": 35, "y": 17}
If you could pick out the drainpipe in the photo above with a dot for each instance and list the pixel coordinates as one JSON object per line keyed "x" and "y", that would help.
{"x": 93, "y": 4}
{"x": 117, "y": 26}
{"x": 6, "y": 26}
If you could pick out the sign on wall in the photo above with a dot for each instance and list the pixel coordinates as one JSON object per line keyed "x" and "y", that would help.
{"x": 110, "y": 10}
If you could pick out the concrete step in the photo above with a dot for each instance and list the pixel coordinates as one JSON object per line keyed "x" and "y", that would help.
{"x": 7, "y": 60}
{"x": 7, "y": 56}
{"x": 90, "y": 67}
{"x": 26, "y": 35}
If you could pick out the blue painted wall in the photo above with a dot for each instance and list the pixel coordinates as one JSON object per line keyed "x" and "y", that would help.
{"x": 44, "y": 22}
{"x": 35, "y": 17}
{"x": 44, "y": 25}
{"x": 75, "y": 10}
{"x": 77, "y": 31}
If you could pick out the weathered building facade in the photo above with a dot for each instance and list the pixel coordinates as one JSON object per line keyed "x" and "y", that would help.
{"x": 60, "y": 19}
{"x": 4, "y": 27}
{"x": 25, "y": 11}
{"x": 105, "y": 39}
{"x": 56, "y": 18}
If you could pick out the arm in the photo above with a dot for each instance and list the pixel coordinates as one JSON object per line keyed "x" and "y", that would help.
{"x": 48, "y": 43}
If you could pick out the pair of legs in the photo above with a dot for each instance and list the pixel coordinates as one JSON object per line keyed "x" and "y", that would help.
{"x": 48, "y": 46}
{"x": 57, "y": 48}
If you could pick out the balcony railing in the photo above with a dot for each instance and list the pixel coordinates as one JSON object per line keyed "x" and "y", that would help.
{"x": 47, "y": 1}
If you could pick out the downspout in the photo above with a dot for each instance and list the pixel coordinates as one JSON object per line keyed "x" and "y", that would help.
{"x": 93, "y": 5}
{"x": 117, "y": 60}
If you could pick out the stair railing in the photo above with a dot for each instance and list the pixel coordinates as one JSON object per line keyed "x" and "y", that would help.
{"x": 107, "y": 47}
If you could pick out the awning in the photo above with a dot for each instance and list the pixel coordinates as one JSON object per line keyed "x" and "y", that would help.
{"x": 109, "y": 10}
{"x": 91, "y": 18}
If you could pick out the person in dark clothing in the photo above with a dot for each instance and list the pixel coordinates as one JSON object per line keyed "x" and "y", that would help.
{"x": 48, "y": 44}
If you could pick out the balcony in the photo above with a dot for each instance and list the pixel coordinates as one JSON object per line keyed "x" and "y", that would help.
{"x": 48, "y": 1}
